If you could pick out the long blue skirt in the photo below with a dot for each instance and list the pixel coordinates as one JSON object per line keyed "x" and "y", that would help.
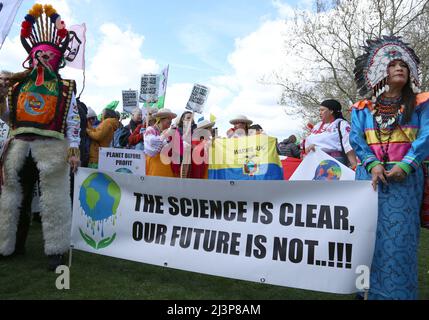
{"x": 394, "y": 271}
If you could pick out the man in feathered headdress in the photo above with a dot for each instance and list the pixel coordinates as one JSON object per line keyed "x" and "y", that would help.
{"x": 45, "y": 137}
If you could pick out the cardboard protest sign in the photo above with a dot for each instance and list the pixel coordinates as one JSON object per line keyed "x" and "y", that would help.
{"x": 130, "y": 100}
{"x": 198, "y": 99}
{"x": 149, "y": 88}
{"x": 122, "y": 161}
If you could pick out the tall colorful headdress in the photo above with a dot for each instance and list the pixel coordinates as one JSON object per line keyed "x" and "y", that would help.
{"x": 372, "y": 67}
{"x": 42, "y": 29}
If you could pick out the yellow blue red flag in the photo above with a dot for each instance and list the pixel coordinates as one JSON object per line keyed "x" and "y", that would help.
{"x": 246, "y": 158}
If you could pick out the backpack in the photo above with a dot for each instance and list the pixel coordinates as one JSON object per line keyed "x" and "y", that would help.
{"x": 120, "y": 138}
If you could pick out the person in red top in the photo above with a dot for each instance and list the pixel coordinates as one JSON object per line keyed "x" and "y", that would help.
{"x": 136, "y": 139}
{"x": 200, "y": 145}
{"x": 181, "y": 144}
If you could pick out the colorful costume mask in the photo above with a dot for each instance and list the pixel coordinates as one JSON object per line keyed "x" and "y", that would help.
{"x": 45, "y": 134}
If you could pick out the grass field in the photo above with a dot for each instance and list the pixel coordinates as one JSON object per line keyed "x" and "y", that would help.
{"x": 97, "y": 277}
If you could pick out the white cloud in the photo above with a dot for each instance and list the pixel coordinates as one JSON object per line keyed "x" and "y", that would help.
{"x": 255, "y": 56}
{"x": 118, "y": 60}
{"x": 178, "y": 96}
{"x": 117, "y": 65}
{"x": 200, "y": 43}
{"x": 63, "y": 9}
{"x": 284, "y": 9}
{"x": 12, "y": 54}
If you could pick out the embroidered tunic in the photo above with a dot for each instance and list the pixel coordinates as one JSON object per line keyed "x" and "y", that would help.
{"x": 153, "y": 144}
{"x": 326, "y": 137}
{"x": 394, "y": 269}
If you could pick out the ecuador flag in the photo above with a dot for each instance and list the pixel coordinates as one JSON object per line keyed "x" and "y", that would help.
{"x": 246, "y": 158}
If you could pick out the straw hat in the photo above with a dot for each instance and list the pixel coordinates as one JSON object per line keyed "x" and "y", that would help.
{"x": 241, "y": 119}
{"x": 205, "y": 124}
{"x": 165, "y": 113}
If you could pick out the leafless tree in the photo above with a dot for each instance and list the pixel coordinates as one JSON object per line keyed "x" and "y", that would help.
{"x": 331, "y": 38}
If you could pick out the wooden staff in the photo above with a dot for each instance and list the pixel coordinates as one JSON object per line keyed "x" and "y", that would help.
{"x": 185, "y": 167}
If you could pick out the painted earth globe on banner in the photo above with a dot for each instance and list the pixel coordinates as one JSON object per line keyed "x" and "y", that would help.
{"x": 124, "y": 170}
{"x": 99, "y": 199}
{"x": 328, "y": 170}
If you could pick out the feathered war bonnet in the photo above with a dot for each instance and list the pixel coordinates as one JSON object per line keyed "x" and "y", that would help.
{"x": 42, "y": 29}
{"x": 371, "y": 72}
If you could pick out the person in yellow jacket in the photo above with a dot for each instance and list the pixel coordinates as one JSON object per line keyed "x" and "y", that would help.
{"x": 102, "y": 136}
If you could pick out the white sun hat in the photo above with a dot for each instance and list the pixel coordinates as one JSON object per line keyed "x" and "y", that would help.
{"x": 241, "y": 119}
{"x": 91, "y": 113}
{"x": 205, "y": 124}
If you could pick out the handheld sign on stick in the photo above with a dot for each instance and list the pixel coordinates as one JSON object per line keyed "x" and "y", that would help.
{"x": 198, "y": 99}
{"x": 130, "y": 100}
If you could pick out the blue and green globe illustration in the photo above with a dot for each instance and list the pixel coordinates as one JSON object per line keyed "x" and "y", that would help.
{"x": 124, "y": 170}
{"x": 99, "y": 198}
{"x": 328, "y": 170}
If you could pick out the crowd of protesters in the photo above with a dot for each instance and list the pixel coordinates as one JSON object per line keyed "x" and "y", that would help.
{"x": 386, "y": 142}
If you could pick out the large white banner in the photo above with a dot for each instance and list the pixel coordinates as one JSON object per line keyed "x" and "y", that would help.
{"x": 8, "y": 10}
{"x": 122, "y": 161}
{"x": 320, "y": 166}
{"x": 307, "y": 235}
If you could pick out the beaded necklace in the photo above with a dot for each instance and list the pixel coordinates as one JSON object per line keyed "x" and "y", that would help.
{"x": 386, "y": 114}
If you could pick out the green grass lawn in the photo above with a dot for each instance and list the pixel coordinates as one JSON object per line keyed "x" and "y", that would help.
{"x": 98, "y": 277}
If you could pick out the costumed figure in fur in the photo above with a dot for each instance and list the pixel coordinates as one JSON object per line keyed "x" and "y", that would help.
{"x": 45, "y": 137}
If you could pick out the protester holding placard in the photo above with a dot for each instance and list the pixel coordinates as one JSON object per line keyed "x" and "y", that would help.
{"x": 332, "y": 134}
{"x": 156, "y": 138}
{"x": 241, "y": 127}
{"x": 136, "y": 139}
{"x": 390, "y": 133}
{"x": 201, "y": 143}
{"x": 182, "y": 141}
{"x": 102, "y": 136}
{"x": 136, "y": 120}
{"x": 92, "y": 118}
